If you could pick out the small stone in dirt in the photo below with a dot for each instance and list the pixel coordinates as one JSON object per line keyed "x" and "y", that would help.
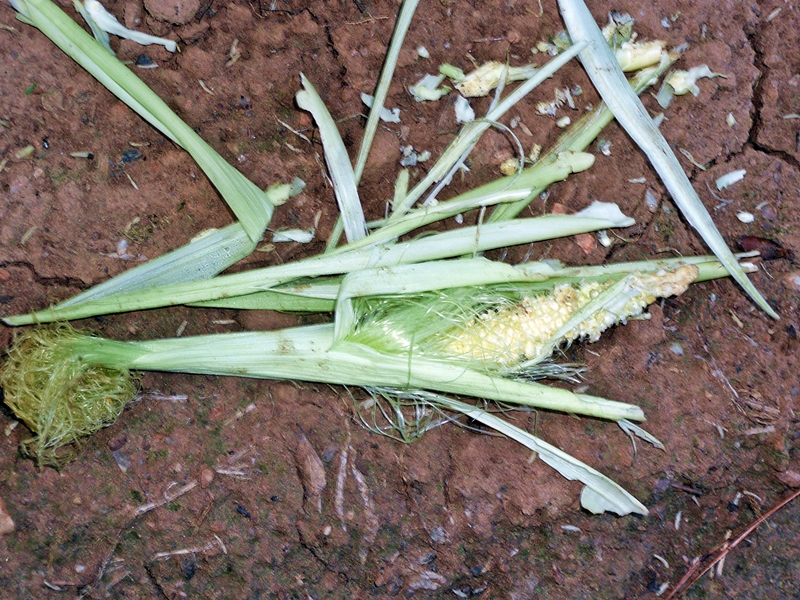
{"x": 189, "y": 568}
{"x": 4, "y": 275}
{"x": 117, "y": 442}
{"x": 243, "y": 511}
{"x": 122, "y": 460}
{"x": 329, "y": 453}
{"x": 439, "y": 535}
{"x": 586, "y": 241}
{"x": 177, "y": 12}
{"x": 790, "y": 477}
{"x": 769, "y": 212}
{"x": 218, "y": 527}
{"x": 792, "y": 280}
{"x": 427, "y": 559}
{"x": 131, "y": 155}
{"x": 206, "y": 477}
{"x": 6, "y": 522}
{"x": 661, "y": 485}
{"x": 145, "y": 62}
{"x": 311, "y": 471}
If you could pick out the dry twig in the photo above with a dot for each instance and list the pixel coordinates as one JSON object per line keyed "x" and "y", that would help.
{"x": 707, "y": 562}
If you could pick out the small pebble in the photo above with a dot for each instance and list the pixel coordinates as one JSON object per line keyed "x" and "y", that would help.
{"x": 122, "y": 460}
{"x": 792, "y": 280}
{"x": 80, "y": 568}
{"x": 6, "y": 522}
{"x": 769, "y": 212}
{"x": 745, "y": 217}
{"x": 790, "y": 477}
{"x": 4, "y": 275}
{"x": 676, "y": 349}
{"x": 650, "y": 200}
{"x": 117, "y": 442}
{"x": 206, "y": 477}
{"x": 189, "y": 567}
{"x": 304, "y": 120}
{"x": 217, "y": 527}
{"x": 438, "y": 535}
{"x": 131, "y": 155}
{"x": 586, "y": 241}
{"x": 145, "y": 62}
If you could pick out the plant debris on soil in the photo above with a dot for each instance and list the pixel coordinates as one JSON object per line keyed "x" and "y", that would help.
{"x": 212, "y": 487}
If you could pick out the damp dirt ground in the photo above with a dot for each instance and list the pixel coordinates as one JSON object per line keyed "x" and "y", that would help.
{"x": 457, "y": 514}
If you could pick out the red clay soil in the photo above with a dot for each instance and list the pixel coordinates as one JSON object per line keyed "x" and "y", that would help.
{"x": 456, "y": 514}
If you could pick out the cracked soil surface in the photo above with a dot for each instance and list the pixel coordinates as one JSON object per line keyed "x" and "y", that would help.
{"x": 456, "y": 514}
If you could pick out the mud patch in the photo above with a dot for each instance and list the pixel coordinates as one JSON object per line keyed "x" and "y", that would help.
{"x": 457, "y": 513}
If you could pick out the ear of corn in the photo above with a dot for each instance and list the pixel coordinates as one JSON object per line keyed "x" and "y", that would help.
{"x": 401, "y": 338}
{"x": 500, "y": 326}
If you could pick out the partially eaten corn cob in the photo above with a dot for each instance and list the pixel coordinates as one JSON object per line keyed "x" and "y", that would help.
{"x": 504, "y": 327}
{"x": 512, "y": 334}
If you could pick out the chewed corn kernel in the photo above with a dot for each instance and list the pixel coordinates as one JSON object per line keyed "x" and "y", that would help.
{"x": 512, "y": 334}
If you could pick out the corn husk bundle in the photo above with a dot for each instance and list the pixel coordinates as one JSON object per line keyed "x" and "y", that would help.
{"x": 410, "y": 327}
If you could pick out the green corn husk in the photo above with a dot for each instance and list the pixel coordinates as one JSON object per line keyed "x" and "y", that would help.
{"x": 369, "y": 348}
{"x": 299, "y": 354}
{"x": 65, "y": 384}
{"x": 221, "y": 289}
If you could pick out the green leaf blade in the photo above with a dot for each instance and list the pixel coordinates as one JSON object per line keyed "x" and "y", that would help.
{"x": 611, "y": 83}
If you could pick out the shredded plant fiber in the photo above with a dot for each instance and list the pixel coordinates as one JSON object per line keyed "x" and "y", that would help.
{"x": 60, "y": 397}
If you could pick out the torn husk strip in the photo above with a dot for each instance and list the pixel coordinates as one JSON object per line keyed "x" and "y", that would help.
{"x": 600, "y": 493}
{"x": 389, "y": 63}
{"x": 453, "y": 243}
{"x": 338, "y": 161}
